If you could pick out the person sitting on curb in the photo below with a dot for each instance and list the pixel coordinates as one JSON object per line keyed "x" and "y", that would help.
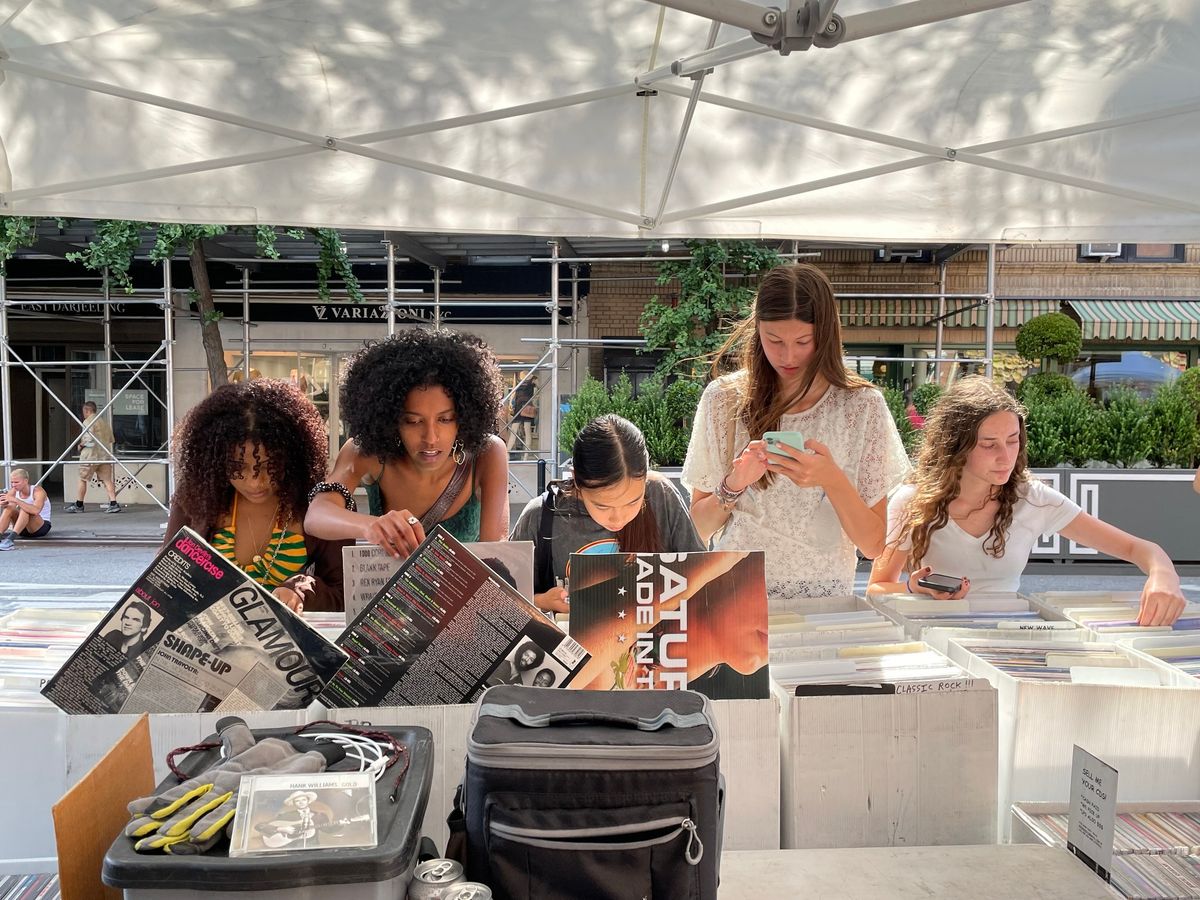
{"x": 95, "y": 445}
{"x": 24, "y": 510}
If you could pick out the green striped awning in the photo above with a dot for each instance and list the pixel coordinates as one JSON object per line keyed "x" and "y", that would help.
{"x": 918, "y": 312}
{"x": 1138, "y": 320}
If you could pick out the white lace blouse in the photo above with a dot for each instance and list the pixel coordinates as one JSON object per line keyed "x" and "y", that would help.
{"x": 807, "y": 553}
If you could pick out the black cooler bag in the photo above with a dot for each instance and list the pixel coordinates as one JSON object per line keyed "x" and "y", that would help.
{"x": 597, "y": 794}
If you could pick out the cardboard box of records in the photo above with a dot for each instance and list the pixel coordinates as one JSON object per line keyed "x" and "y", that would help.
{"x": 1123, "y": 708}
{"x": 1112, "y": 615}
{"x": 885, "y": 745}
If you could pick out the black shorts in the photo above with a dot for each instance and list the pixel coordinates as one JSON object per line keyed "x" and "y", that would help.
{"x": 41, "y": 532}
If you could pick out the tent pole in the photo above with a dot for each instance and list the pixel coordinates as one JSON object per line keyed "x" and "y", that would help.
{"x": 989, "y": 305}
{"x": 554, "y": 347}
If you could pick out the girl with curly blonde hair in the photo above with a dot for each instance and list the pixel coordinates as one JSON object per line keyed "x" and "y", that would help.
{"x": 972, "y": 510}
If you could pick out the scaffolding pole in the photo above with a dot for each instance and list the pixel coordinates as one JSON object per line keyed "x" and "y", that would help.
{"x": 989, "y": 301}
{"x": 106, "y": 327}
{"x": 245, "y": 323}
{"x": 553, "y": 310}
{"x": 391, "y": 288}
{"x": 941, "y": 321}
{"x": 437, "y": 297}
{"x": 169, "y": 353}
{"x": 574, "y": 325}
{"x": 5, "y": 382}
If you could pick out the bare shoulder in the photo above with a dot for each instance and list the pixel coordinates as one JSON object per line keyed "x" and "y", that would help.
{"x": 352, "y": 464}
{"x": 493, "y": 459}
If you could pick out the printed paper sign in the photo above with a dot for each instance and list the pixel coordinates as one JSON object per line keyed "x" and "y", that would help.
{"x": 1093, "y": 811}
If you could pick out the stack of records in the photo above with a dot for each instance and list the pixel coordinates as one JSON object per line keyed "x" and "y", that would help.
{"x": 329, "y": 625}
{"x": 1150, "y": 832}
{"x": 30, "y": 887}
{"x": 1116, "y": 618}
{"x": 36, "y": 641}
{"x": 1185, "y": 658}
{"x": 884, "y": 667}
{"x": 1156, "y": 877}
{"x": 983, "y": 611}
{"x": 1080, "y": 663}
{"x": 789, "y": 631}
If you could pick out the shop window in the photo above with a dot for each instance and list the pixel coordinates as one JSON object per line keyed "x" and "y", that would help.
{"x": 1099, "y": 372}
{"x": 1132, "y": 253}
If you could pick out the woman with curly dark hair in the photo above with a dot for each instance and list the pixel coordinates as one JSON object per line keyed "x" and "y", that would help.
{"x": 422, "y": 409}
{"x": 245, "y": 459}
{"x": 973, "y": 511}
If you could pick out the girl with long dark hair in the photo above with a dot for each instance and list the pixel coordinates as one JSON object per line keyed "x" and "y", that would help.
{"x": 973, "y": 510}
{"x": 612, "y": 503}
{"x": 807, "y": 508}
{"x": 246, "y": 457}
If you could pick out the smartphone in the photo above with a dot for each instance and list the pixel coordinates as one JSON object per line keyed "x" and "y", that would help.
{"x": 792, "y": 438}
{"x": 946, "y": 584}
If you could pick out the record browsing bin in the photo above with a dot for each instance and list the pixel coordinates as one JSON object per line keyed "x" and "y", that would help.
{"x": 1148, "y": 730}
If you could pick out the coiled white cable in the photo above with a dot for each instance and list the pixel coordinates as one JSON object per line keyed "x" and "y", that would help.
{"x": 371, "y": 754}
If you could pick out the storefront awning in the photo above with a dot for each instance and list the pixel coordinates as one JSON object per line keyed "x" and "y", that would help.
{"x": 922, "y": 312}
{"x": 1138, "y": 320}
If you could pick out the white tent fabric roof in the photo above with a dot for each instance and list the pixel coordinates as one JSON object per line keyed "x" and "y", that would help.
{"x": 1049, "y": 120}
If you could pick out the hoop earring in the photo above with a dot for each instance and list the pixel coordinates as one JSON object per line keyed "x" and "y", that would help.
{"x": 458, "y": 452}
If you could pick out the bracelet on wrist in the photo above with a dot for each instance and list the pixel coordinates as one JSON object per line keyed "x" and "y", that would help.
{"x": 333, "y": 487}
{"x": 726, "y": 497}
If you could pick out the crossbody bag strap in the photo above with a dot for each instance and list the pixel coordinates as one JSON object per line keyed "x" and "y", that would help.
{"x": 437, "y": 512}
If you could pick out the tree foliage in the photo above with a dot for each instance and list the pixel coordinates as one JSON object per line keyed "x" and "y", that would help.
{"x": 691, "y": 326}
{"x": 1050, "y": 336}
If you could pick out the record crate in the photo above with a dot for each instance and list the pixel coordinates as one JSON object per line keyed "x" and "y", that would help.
{"x": 1149, "y": 732}
{"x": 892, "y": 769}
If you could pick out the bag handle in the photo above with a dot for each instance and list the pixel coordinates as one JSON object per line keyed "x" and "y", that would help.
{"x": 667, "y": 717}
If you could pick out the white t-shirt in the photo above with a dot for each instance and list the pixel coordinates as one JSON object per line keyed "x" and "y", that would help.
{"x": 807, "y": 553}
{"x": 954, "y": 552}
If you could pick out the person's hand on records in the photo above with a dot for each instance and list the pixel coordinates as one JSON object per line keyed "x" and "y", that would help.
{"x": 397, "y": 531}
{"x": 293, "y": 592}
{"x": 1162, "y": 599}
{"x": 553, "y": 600}
{"x": 914, "y": 588}
{"x": 192, "y": 816}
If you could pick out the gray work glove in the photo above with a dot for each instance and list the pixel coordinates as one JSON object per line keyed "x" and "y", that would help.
{"x": 191, "y": 817}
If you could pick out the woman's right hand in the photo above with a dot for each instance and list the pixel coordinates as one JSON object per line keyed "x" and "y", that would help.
{"x": 749, "y": 466}
{"x": 397, "y": 531}
{"x": 914, "y": 588}
{"x": 553, "y": 600}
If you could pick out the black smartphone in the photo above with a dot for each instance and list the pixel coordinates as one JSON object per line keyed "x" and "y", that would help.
{"x": 946, "y": 584}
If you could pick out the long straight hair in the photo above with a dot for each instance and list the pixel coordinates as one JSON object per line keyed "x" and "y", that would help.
{"x": 799, "y": 293}
{"x": 609, "y": 450}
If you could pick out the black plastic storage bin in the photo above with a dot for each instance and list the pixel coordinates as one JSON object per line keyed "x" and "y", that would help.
{"x": 382, "y": 873}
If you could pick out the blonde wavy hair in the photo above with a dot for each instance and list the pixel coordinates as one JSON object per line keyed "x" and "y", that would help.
{"x": 951, "y": 432}
{"x": 802, "y": 293}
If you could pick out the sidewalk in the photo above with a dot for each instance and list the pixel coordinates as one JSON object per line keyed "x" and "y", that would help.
{"x": 142, "y": 524}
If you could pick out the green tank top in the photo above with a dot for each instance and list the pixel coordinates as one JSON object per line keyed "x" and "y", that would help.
{"x": 464, "y": 524}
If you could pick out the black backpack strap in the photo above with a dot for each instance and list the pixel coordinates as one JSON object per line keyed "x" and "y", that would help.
{"x": 543, "y": 561}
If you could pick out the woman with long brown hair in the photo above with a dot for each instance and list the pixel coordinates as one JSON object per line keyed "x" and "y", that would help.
{"x": 612, "y": 503}
{"x": 807, "y": 508}
{"x": 973, "y": 511}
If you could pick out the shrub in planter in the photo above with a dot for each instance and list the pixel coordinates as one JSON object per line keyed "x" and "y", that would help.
{"x": 1044, "y": 442}
{"x": 1050, "y": 336}
{"x": 925, "y": 397}
{"x": 1175, "y": 435}
{"x": 895, "y": 404}
{"x": 1189, "y": 383}
{"x": 1077, "y": 418}
{"x": 1125, "y": 433}
{"x": 590, "y": 400}
{"x": 1046, "y": 384}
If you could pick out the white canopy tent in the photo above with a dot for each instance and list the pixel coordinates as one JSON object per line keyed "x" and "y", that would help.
{"x": 1054, "y": 120}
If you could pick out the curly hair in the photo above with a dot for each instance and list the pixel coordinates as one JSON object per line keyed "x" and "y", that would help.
{"x": 208, "y": 443}
{"x": 801, "y": 293}
{"x": 380, "y": 376}
{"x": 951, "y": 432}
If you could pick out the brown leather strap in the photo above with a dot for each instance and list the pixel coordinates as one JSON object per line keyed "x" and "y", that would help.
{"x": 437, "y": 512}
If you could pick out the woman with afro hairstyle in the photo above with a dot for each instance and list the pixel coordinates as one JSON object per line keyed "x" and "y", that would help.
{"x": 422, "y": 409}
{"x": 973, "y": 511}
{"x": 245, "y": 459}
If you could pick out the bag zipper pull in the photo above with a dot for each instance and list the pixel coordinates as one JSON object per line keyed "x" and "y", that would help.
{"x": 693, "y": 836}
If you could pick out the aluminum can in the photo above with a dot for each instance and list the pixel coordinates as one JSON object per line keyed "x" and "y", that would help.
{"x": 469, "y": 890}
{"x": 434, "y": 879}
